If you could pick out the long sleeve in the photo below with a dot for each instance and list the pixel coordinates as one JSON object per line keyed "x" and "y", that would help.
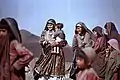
{"x": 57, "y": 33}
{"x": 87, "y": 38}
{"x": 99, "y": 44}
{"x": 24, "y": 56}
{"x": 111, "y": 69}
{"x": 42, "y": 37}
{"x": 75, "y": 43}
{"x": 60, "y": 34}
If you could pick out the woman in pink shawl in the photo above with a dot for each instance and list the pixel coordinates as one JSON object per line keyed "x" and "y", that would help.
{"x": 113, "y": 61}
{"x": 13, "y": 57}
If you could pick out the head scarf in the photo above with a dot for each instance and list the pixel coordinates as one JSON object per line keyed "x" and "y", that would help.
{"x": 50, "y": 21}
{"x": 13, "y": 26}
{"x": 114, "y": 44}
{"x": 99, "y": 31}
{"x": 85, "y": 29}
{"x": 112, "y": 31}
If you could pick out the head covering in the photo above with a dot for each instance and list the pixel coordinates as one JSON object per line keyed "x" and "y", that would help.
{"x": 87, "y": 53}
{"x": 111, "y": 30}
{"x": 4, "y": 54}
{"x": 114, "y": 44}
{"x": 99, "y": 30}
{"x": 90, "y": 53}
{"x": 13, "y": 26}
{"x": 110, "y": 26}
{"x": 85, "y": 29}
{"x": 50, "y": 21}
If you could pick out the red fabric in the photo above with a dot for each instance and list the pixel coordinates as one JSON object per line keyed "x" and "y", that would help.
{"x": 19, "y": 58}
{"x": 100, "y": 44}
{"x": 87, "y": 74}
{"x": 92, "y": 77}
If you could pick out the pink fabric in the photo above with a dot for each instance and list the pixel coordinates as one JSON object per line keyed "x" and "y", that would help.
{"x": 19, "y": 58}
{"x": 87, "y": 74}
{"x": 114, "y": 44}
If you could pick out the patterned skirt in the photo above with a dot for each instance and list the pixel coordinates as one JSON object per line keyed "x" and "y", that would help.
{"x": 51, "y": 62}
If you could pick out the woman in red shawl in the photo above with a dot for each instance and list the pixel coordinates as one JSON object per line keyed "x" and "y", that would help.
{"x": 100, "y": 45}
{"x": 13, "y": 57}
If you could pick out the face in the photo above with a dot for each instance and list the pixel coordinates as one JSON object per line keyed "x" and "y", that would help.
{"x": 107, "y": 50}
{"x": 106, "y": 31}
{"x": 95, "y": 33}
{"x": 79, "y": 30}
{"x": 50, "y": 26}
{"x": 108, "y": 28}
{"x": 80, "y": 62}
{"x": 3, "y": 32}
{"x": 56, "y": 28}
{"x": 110, "y": 47}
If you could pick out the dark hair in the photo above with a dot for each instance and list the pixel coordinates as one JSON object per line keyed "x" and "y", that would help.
{"x": 59, "y": 25}
{"x": 99, "y": 31}
{"x": 12, "y": 28}
{"x": 81, "y": 53}
{"x": 50, "y": 21}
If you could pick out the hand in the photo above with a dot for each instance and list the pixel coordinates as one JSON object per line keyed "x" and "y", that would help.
{"x": 53, "y": 43}
{"x": 12, "y": 69}
{"x": 45, "y": 42}
{"x": 27, "y": 68}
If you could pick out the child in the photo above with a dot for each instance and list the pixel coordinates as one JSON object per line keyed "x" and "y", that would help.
{"x": 84, "y": 59}
{"x": 113, "y": 61}
{"x": 58, "y": 36}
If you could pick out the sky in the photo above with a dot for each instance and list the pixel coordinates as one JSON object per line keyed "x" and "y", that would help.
{"x": 32, "y": 15}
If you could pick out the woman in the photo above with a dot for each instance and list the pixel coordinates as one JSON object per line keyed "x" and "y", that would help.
{"x": 113, "y": 61}
{"x": 50, "y": 64}
{"x": 83, "y": 38}
{"x": 13, "y": 57}
{"x": 100, "y": 44}
{"x": 112, "y": 32}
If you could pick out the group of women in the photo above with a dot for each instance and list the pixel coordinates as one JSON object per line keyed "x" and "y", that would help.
{"x": 51, "y": 64}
